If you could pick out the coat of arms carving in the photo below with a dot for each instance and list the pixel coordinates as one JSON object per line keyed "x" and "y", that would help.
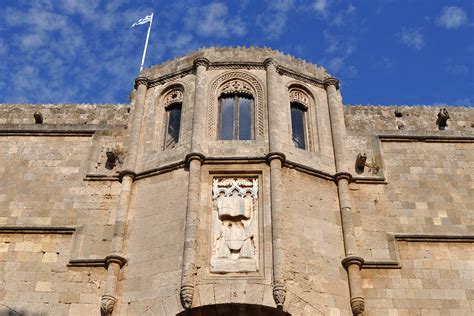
{"x": 234, "y": 225}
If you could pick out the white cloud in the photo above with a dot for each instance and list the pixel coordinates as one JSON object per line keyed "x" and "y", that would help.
{"x": 452, "y": 18}
{"x": 213, "y": 20}
{"x": 412, "y": 38}
{"x": 273, "y": 20}
{"x": 321, "y": 7}
{"x": 342, "y": 16}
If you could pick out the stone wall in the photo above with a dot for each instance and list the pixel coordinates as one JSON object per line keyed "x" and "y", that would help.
{"x": 60, "y": 114}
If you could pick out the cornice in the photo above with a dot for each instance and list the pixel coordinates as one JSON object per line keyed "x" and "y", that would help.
{"x": 234, "y": 65}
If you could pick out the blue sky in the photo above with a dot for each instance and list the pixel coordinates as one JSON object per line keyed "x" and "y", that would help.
{"x": 383, "y": 51}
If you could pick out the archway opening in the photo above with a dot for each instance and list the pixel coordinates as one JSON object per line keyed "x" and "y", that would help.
{"x": 233, "y": 310}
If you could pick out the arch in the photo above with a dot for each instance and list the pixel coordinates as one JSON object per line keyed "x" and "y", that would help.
{"x": 235, "y": 82}
{"x": 234, "y": 309}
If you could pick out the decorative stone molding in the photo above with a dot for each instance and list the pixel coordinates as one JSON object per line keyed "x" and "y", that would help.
{"x": 236, "y": 65}
{"x": 174, "y": 95}
{"x": 235, "y": 244}
{"x": 242, "y": 80}
{"x": 279, "y": 294}
{"x": 299, "y": 96}
{"x": 236, "y": 86}
{"x": 186, "y": 295}
{"x": 140, "y": 81}
{"x": 331, "y": 82}
{"x": 350, "y": 260}
{"x": 121, "y": 261}
{"x": 107, "y": 305}
{"x": 357, "y": 305}
{"x": 307, "y": 79}
{"x": 170, "y": 77}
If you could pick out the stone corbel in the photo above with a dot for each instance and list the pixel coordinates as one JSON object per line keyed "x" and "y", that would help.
{"x": 279, "y": 294}
{"x": 186, "y": 295}
{"x": 107, "y": 305}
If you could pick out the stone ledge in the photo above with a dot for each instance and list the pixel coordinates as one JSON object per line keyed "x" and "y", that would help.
{"x": 37, "y": 230}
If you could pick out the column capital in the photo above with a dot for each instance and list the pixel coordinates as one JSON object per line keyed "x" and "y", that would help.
{"x": 350, "y": 260}
{"x": 342, "y": 175}
{"x": 194, "y": 156}
{"x": 141, "y": 81}
{"x": 201, "y": 61}
{"x": 114, "y": 258}
{"x": 270, "y": 61}
{"x": 331, "y": 81}
{"x": 275, "y": 155}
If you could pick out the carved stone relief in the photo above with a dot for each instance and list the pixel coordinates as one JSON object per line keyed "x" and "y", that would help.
{"x": 234, "y": 225}
{"x": 172, "y": 96}
{"x": 297, "y": 95}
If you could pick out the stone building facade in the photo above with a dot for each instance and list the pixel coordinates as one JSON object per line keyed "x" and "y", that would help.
{"x": 236, "y": 183}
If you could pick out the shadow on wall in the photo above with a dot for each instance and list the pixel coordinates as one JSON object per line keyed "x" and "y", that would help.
{"x": 233, "y": 310}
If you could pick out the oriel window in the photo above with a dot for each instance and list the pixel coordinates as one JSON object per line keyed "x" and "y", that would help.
{"x": 298, "y": 125}
{"x": 173, "y": 123}
{"x": 236, "y": 117}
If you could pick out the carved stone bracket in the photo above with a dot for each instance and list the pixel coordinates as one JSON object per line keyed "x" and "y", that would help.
{"x": 186, "y": 295}
{"x": 107, "y": 305}
{"x": 357, "y": 305}
{"x": 279, "y": 294}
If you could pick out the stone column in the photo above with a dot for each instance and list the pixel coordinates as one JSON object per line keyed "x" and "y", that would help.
{"x": 199, "y": 114}
{"x": 352, "y": 263}
{"x": 115, "y": 260}
{"x": 194, "y": 161}
{"x": 276, "y": 158}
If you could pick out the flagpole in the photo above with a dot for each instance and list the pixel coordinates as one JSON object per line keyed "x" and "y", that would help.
{"x": 146, "y": 43}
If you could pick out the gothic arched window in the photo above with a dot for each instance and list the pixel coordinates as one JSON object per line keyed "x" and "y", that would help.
{"x": 298, "y": 125}
{"x": 236, "y": 117}
{"x": 299, "y": 102}
{"x": 173, "y": 104}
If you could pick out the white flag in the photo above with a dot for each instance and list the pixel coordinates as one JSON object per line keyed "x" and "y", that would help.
{"x": 143, "y": 20}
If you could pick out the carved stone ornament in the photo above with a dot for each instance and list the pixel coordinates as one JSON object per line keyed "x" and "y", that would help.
{"x": 299, "y": 96}
{"x": 236, "y": 86}
{"x": 186, "y": 295}
{"x": 234, "y": 225}
{"x": 279, "y": 295}
{"x": 107, "y": 305}
{"x": 357, "y": 305}
{"x": 172, "y": 96}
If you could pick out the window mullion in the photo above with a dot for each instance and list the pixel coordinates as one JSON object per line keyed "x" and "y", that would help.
{"x": 236, "y": 117}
